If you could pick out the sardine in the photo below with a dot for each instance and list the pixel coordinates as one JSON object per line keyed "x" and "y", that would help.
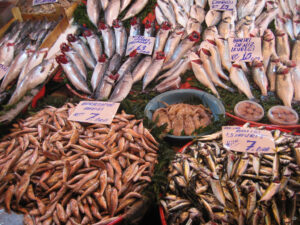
{"x": 93, "y": 11}
{"x": 259, "y": 76}
{"x": 284, "y": 86}
{"x": 108, "y": 40}
{"x": 121, "y": 37}
{"x": 122, "y": 89}
{"x": 141, "y": 68}
{"x": 135, "y": 9}
{"x": 99, "y": 72}
{"x": 94, "y": 43}
{"x": 112, "y": 11}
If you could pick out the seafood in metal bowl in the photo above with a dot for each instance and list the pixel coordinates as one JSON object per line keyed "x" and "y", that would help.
{"x": 58, "y": 171}
{"x": 209, "y": 184}
{"x": 182, "y": 119}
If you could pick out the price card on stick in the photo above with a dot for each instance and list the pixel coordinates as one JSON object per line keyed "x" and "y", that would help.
{"x": 245, "y": 49}
{"x": 248, "y": 140}
{"x": 3, "y": 70}
{"x": 141, "y": 44}
{"x": 94, "y": 112}
{"x": 222, "y": 5}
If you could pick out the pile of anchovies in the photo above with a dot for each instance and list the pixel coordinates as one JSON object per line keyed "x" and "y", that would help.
{"x": 57, "y": 171}
{"x": 209, "y": 184}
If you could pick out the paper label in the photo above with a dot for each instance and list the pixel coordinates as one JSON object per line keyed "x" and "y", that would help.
{"x": 3, "y": 70}
{"x": 222, "y": 5}
{"x": 41, "y": 2}
{"x": 94, "y": 112}
{"x": 141, "y": 44}
{"x": 245, "y": 49}
{"x": 248, "y": 140}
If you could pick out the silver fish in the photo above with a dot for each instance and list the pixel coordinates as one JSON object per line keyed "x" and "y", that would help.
{"x": 282, "y": 45}
{"x": 173, "y": 42}
{"x": 245, "y": 8}
{"x": 213, "y": 17}
{"x": 149, "y": 29}
{"x": 153, "y": 69}
{"x": 99, "y": 72}
{"x": 284, "y": 86}
{"x": 108, "y": 40}
{"x": 223, "y": 47}
{"x": 202, "y": 76}
{"x": 201, "y": 3}
{"x": 160, "y": 18}
{"x": 104, "y": 4}
{"x": 94, "y": 43}
{"x": 122, "y": 89}
{"x": 296, "y": 51}
{"x": 259, "y": 76}
{"x": 161, "y": 38}
{"x": 93, "y": 11}
{"x": 259, "y": 7}
{"x": 168, "y": 11}
{"x": 296, "y": 82}
{"x": 238, "y": 78}
{"x": 129, "y": 64}
{"x": 210, "y": 33}
{"x": 225, "y": 28}
{"x": 73, "y": 74}
{"x": 263, "y": 21}
{"x": 121, "y": 37}
{"x": 75, "y": 57}
{"x": 35, "y": 77}
{"x": 296, "y": 24}
{"x": 7, "y": 53}
{"x": 141, "y": 68}
{"x": 288, "y": 26}
{"x": 124, "y": 4}
{"x": 15, "y": 68}
{"x": 271, "y": 72}
{"x": 182, "y": 48}
{"x": 197, "y": 13}
{"x": 135, "y": 27}
{"x": 268, "y": 47}
{"x": 114, "y": 64}
{"x": 135, "y": 9}
{"x": 192, "y": 25}
{"x": 104, "y": 89}
{"x": 181, "y": 15}
{"x": 112, "y": 11}
{"x": 210, "y": 70}
{"x": 82, "y": 49}
{"x": 173, "y": 84}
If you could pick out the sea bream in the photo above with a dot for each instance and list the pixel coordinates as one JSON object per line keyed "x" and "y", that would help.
{"x": 78, "y": 45}
{"x": 268, "y": 47}
{"x": 35, "y": 77}
{"x": 282, "y": 45}
{"x": 135, "y": 9}
{"x": 93, "y": 11}
{"x": 112, "y": 11}
{"x": 108, "y": 40}
{"x": 121, "y": 37}
{"x": 99, "y": 71}
{"x": 73, "y": 74}
{"x": 284, "y": 86}
{"x": 259, "y": 76}
{"x": 161, "y": 38}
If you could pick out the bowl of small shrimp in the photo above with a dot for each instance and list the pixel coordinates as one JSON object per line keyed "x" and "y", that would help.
{"x": 185, "y": 113}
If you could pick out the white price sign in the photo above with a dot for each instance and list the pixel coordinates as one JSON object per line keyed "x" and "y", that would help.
{"x": 41, "y": 2}
{"x": 141, "y": 44}
{"x": 222, "y": 5}
{"x": 245, "y": 49}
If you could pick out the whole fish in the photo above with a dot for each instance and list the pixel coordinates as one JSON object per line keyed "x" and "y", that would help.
{"x": 108, "y": 40}
{"x": 296, "y": 25}
{"x": 201, "y": 3}
{"x": 34, "y": 60}
{"x": 225, "y": 28}
{"x": 259, "y": 7}
{"x": 121, "y": 37}
{"x": 7, "y": 53}
{"x": 202, "y": 76}
{"x": 104, "y": 89}
{"x": 296, "y": 82}
{"x": 170, "y": 85}
{"x": 239, "y": 79}
{"x": 122, "y": 89}
{"x": 124, "y": 4}
{"x": 93, "y": 11}
{"x": 182, "y": 48}
{"x": 135, "y": 27}
{"x": 172, "y": 42}
{"x": 141, "y": 68}
{"x": 296, "y": 51}
{"x": 94, "y": 43}
{"x": 180, "y": 14}
{"x": 289, "y": 27}
{"x": 14, "y": 70}
{"x": 104, "y": 4}
{"x": 129, "y": 64}
{"x": 160, "y": 18}
{"x": 99, "y": 72}
{"x": 223, "y": 48}
{"x": 284, "y": 86}
{"x": 282, "y": 45}
{"x": 35, "y": 77}
{"x": 149, "y": 29}
{"x": 271, "y": 72}
{"x": 263, "y": 21}
{"x": 167, "y": 11}
{"x": 135, "y": 9}
{"x": 161, "y": 38}
{"x": 153, "y": 69}
{"x": 268, "y": 47}
{"x": 216, "y": 58}
{"x": 75, "y": 57}
{"x": 112, "y": 11}
{"x": 192, "y": 25}
{"x": 212, "y": 18}
{"x": 210, "y": 33}
{"x": 259, "y": 76}
{"x": 198, "y": 13}
{"x": 245, "y": 8}
{"x": 78, "y": 45}
{"x": 73, "y": 74}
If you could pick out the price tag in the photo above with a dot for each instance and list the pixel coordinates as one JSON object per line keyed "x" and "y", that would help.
{"x": 41, "y": 2}
{"x": 3, "y": 70}
{"x": 222, "y": 5}
{"x": 141, "y": 44}
{"x": 248, "y": 140}
{"x": 245, "y": 49}
{"x": 94, "y": 112}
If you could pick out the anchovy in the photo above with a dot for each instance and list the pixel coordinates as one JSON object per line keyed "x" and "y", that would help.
{"x": 99, "y": 72}
{"x": 112, "y": 11}
{"x": 108, "y": 40}
{"x": 94, "y": 43}
{"x": 122, "y": 89}
{"x": 135, "y": 9}
{"x": 141, "y": 68}
{"x": 121, "y": 37}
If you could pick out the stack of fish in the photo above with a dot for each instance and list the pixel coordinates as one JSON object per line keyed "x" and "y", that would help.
{"x": 24, "y": 61}
{"x": 57, "y": 171}
{"x": 209, "y": 184}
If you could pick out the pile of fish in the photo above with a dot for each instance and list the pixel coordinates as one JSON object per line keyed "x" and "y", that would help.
{"x": 182, "y": 119}
{"x": 209, "y": 184}
{"x": 57, "y": 171}
{"x": 25, "y": 62}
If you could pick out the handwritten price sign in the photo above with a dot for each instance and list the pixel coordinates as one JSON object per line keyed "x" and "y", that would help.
{"x": 222, "y": 5}
{"x": 94, "y": 112}
{"x": 245, "y": 49}
{"x": 141, "y": 44}
{"x": 41, "y": 2}
{"x": 3, "y": 70}
{"x": 248, "y": 140}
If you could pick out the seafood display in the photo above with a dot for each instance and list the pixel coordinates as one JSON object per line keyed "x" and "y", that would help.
{"x": 283, "y": 115}
{"x": 209, "y": 184}
{"x": 182, "y": 119}
{"x": 58, "y": 171}
{"x": 249, "y": 110}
